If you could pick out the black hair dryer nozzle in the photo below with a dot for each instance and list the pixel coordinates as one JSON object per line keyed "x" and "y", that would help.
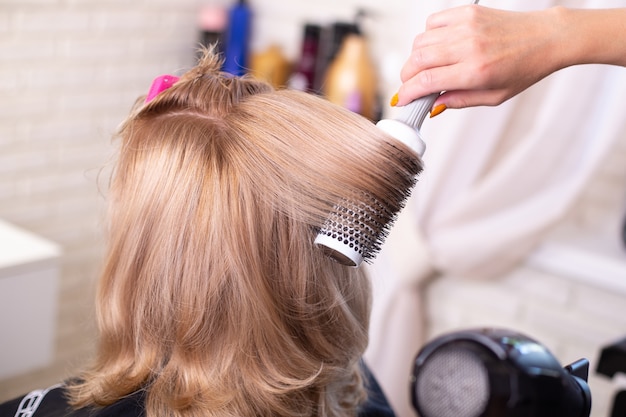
{"x": 496, "y": 373}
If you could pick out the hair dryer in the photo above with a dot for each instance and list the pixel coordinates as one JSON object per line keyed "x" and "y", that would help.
{"x": 496, "y": 373}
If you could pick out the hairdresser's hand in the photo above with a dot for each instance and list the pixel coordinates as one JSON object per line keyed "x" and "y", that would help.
{"x": 479, "y": 56}
{"x": 484, "y": 56}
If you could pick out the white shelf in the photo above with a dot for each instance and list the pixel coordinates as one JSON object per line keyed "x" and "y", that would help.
{"x": 20, "y": 250}
{"x": 29, "y": 270}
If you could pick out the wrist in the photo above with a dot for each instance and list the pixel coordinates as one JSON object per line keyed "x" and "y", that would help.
{"x": 565, "y": 43}
{"x": 590, "y": 36}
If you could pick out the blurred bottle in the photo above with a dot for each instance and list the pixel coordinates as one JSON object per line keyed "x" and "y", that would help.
{"x": 212, "y": 22}
{"x": 271, "y": 65}
{"x": 304, "y": 75}
{"x": 237, "y": 39}
{"x": 351, "y": 79}
{"x": 331, "y": 38}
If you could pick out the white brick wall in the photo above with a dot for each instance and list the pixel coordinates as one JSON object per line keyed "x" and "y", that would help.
{"x": 70, "y": 72}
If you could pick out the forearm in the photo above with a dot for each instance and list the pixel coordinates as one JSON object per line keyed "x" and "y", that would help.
{"x": 592, "y": 36}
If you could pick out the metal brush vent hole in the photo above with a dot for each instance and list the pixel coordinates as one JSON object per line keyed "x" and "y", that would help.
{"x": 453, "y": 382}
{"x": 359, "y": 225}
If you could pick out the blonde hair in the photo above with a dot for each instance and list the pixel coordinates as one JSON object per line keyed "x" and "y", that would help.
{"x": 213, "y": 297}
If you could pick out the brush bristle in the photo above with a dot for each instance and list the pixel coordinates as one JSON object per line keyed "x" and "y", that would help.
{"x": 356, "y": 230}
{"x": 358, "y": 226}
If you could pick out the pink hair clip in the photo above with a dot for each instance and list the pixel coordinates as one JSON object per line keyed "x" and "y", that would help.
{"x": 160, "y": 83}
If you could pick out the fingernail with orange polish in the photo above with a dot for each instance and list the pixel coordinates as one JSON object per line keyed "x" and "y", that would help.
{"x": 394, "y": 100}
{"x": 438, "y": 109}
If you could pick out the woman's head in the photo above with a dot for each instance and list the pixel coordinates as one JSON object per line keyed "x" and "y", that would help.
{"x": 214, "y": 297}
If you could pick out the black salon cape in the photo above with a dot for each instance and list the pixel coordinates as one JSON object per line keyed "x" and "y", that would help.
{"x": 53, "y": 403}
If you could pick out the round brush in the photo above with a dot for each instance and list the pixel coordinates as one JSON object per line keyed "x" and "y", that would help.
{"x": 357, "y": 228}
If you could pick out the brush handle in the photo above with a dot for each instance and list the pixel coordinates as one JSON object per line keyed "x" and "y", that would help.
{"x": 403, "y": 133}
{"x": 406, "y": 126}
{"x": 414, "y": 113}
